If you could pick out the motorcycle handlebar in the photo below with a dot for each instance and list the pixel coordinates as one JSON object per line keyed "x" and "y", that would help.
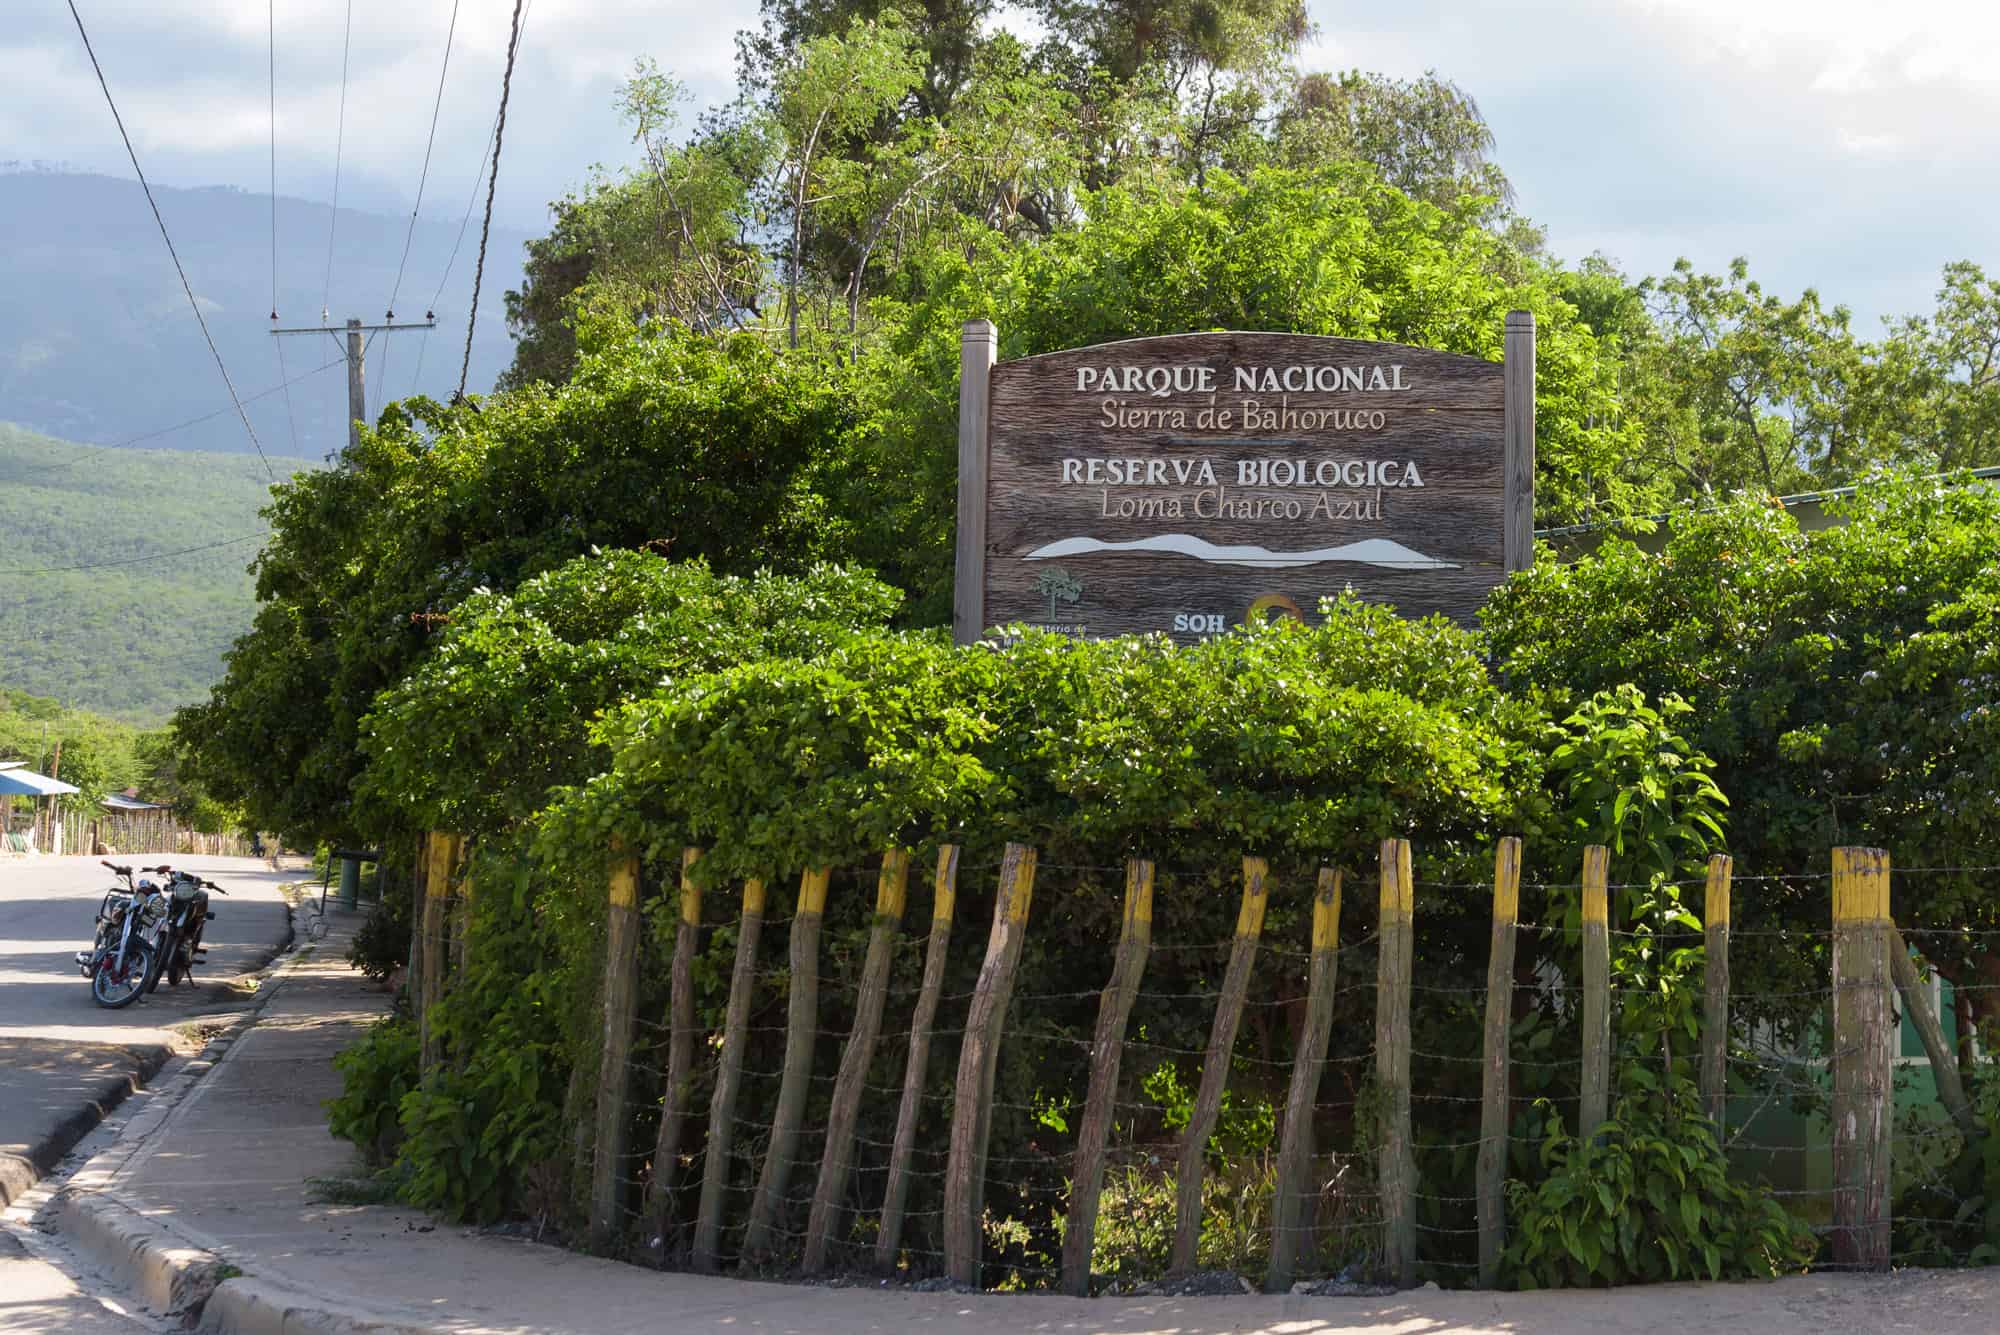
{"x": 122, "y": 871}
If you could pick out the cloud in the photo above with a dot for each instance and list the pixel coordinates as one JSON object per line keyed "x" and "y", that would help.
{"x": 191, "y": 80}
{"x": 1840, "y": 143}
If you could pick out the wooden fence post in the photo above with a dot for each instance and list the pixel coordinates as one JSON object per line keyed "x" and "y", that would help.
{"x": 432, "y": 944}
{"x": 1944, "y": 1065}
{"x": 1295, "y": 1194}
{"x": 680, "y": 1058}
{"x": 461, "y": 917}
{"x": 1595, "y": 1104}
{"x": 837, "y": 1155}
{"x": 1100, "y": 1104}
{"x": 728, "y": 1079}
{"x": 1397, "y": 1166}
{"x": 801, "y": 1029}
{"x": 621, "y": 999}
{"x": 978, "y": 1055}
{"x": 1863, "y": 1034}
{"x": 1216, "y": 1062}
{"x": 1494, "y": 1107}
{"x": 1715, "y": 1000}
{"x": 895, "y": 1197}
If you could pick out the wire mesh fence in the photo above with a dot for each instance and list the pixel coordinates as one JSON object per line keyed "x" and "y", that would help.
{"x": 850, "y": 1116}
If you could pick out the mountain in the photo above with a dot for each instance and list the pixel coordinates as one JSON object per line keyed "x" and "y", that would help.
{"x": 143, "y": 627}
{"x": 98, "y": 345}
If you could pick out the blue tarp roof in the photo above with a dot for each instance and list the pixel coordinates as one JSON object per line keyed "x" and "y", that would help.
{"x": 16, "y": 780}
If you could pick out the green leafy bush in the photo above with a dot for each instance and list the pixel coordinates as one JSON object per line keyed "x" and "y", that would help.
{"x": 381, "y": 945}
{"x": 1649, "y": 1199}
{"x": 375, "y": 1074}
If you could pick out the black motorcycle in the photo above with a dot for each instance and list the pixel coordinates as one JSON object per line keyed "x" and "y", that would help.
{"x": 179, "y": 942}
{"x": 120, "y": 962}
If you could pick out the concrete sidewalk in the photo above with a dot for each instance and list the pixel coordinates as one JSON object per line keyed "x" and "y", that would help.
{"x": 207, "y": 1206}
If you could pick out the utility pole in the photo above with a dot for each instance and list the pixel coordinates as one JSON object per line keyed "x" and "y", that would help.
{"x": 357, "y": 400}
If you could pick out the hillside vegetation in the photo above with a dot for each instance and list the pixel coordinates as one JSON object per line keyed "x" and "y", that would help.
{"x": 97, "y": 344}
{"x": 129, "y": 640}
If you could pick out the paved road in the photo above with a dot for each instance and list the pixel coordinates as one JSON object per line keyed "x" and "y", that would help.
{"x": 60, "y": 1053}
{"x": 37, "y": 1298}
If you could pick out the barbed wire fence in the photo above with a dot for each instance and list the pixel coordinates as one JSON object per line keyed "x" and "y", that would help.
{"x": 880, "y": 1100}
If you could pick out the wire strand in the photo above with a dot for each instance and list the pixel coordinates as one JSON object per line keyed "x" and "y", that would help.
{"x": 339, "y": 142}
{"x": 410, "y": 233}
{"x": 130, "y": 441}
{"x": 141, "y": 560}
{"x": 423, "y": 176}
{"x": 492, "y": 181}
{"x": 464, "y": 222}
{"x": 271, "y": 20}
{"x": 186, "y": 286}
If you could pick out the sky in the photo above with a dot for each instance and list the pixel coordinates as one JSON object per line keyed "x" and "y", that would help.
{"x": 1848, "y": 145}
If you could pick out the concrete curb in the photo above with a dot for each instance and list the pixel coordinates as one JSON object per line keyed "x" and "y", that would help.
{"x": 251, "y": 1306}
{"x": 170, "y": 1278}
{"x": 19, "y": 1172}
{"x": 168, "y": 1272}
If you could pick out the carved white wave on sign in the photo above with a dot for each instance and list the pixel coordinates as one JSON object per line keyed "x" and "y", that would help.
{"x": 1369, "y": 551}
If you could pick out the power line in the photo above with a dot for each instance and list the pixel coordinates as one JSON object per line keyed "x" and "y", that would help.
{"x": 192, "y": 421}
{"x": 410, "y": 233}
{"x": 186, "y": 286}
{"x": 499, "y": 128}
{"x": 141, "y": 560}
{"x": 471, "y": 202}
{"x": 464, "y": 221}
{"x": 424, "y": 175}
{"x": 339, "y": 141}
{"x": 271, "y": 19}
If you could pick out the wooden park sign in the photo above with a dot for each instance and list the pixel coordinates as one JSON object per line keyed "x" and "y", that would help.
{"x": 1185, "y": 483}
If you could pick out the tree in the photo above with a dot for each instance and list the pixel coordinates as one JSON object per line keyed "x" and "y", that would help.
{"x": 500, "y": 713}
{"x": 1940, "y": 382}
{"x": 1753, "y": 391}
{"x": 832, "y": 88}
{"x": 1060, "y": 586}
{"x": 1424, "y": 136}
{"x": 664, "y": 241}
{"x": 1845, "y": 684}
{"x": 715, "y": 448}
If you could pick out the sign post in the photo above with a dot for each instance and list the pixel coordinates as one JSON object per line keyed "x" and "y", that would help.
{"x": 1186, "y": 483}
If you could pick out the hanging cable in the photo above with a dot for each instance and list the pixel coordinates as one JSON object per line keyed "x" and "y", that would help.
{"x": 186, "y": 286}
{"x": 93, "y": 452}
{"x": 410, "y": 233}
{"x": 471, "y": 202}
{"x": 424, "y": 175}
{"x": 339, "y": 141}
{"x": 486, "y": 226}
{"x": 140, "y": 560}
{"x": 464, "y": 221}
{"x": 271, "y": 21}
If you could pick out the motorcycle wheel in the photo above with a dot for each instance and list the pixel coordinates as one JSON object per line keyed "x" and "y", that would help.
{"x": 161, "y": 951}
{"x": 114, "y": 988}
{"x": 180, "y": 966}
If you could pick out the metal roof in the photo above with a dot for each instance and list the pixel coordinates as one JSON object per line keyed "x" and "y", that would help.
{"x": 120, "y": 802}
{"x": 1788, "y": 502}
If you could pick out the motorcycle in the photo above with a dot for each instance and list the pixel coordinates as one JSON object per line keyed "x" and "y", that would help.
{"x": 121, "y": 959}
{"x": 177, "y": 946}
